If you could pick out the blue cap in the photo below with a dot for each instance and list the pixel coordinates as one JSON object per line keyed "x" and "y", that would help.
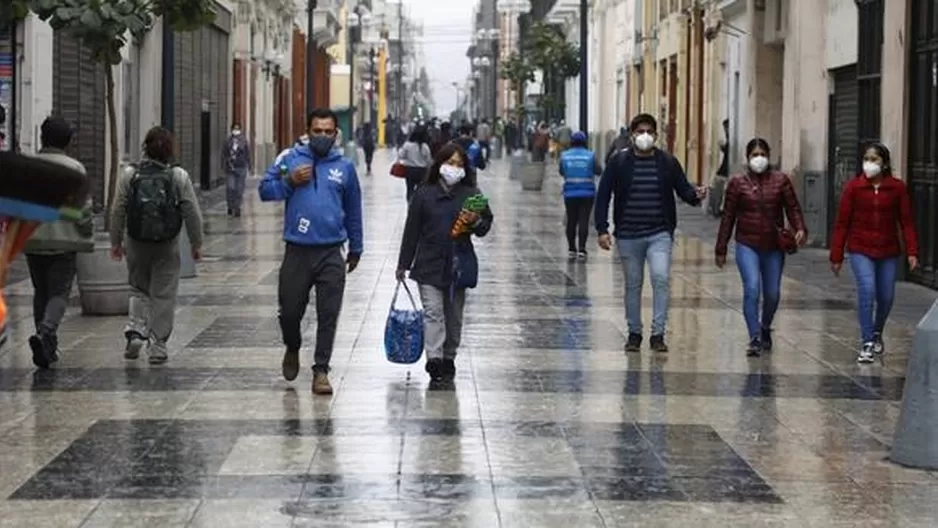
{"x": 579, "y": 137}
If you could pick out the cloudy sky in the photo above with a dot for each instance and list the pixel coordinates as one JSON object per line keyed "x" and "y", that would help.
{"x": 447, "y": 32}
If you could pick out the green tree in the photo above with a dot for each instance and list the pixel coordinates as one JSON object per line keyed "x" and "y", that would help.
{"x": 547, "y": 50}
{"x": 105, "y": 27}
{"x": 518, "y": 71}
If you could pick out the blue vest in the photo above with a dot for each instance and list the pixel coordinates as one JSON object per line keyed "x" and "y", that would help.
{"x": 577, "y": 166}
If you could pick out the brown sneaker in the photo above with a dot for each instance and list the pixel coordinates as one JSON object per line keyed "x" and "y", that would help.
{"x": 321, "y": 384}
{"x": 291, "y": 364}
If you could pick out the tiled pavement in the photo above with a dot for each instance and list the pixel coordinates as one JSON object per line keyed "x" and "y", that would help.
{"x": 551, "y": 424}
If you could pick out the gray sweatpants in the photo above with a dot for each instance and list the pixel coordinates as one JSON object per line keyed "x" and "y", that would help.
{"x": 442, "y": 321}
{"x": 153, "y": 274}
{"x": 235, "y": 188}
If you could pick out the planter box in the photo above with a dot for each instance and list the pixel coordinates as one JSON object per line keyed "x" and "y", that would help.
{"x": 532, "y": 175}
{"x": 102, "y": 282}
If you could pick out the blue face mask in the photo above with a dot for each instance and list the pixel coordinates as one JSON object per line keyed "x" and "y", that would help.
{"x": 320, "y": 146}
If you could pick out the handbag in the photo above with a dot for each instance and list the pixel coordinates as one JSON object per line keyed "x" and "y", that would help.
{"x": 403, "y": 333}
{"x": 785, "y": 237}
{"x": 398, "y": 170}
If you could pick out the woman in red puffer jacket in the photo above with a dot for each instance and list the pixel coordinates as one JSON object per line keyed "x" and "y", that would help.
{"x": 874, "y": 208}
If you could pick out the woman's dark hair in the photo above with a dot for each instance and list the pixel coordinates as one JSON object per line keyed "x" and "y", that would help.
{"x": 446, "y": 152}
{"x": 159, "y": 145}
{"x": 420, "y": 135}
{"x": 643, "y": 119}
{"x": 883, "y": 152}
{"x": 758, "y": 143}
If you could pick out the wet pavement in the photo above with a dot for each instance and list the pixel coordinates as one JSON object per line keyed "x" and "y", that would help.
{"x": 551, "y": 424}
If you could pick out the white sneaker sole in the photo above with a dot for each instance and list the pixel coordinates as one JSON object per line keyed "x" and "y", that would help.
{"x": 134, "y": 347}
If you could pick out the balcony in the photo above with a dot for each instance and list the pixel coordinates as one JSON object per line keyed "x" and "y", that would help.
{"x": 326, "y": 24}
{"x": 563, "y": 12}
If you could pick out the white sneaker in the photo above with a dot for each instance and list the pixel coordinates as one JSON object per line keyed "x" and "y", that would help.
{"x": 866, "y": 355}
{"x": 135, "y": 345}
{"x": 157, "y": 353}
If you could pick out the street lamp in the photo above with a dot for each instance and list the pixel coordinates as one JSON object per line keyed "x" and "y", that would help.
{"x": 358, "y": 17}
{"x": 584, "y": 67}
{"x": 310, "y": 56}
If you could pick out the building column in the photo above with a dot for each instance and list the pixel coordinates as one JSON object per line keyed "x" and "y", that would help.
{"x": 894, "y": 83}
{"x": 805, "y": 99}
{"x": 35, "y": 80}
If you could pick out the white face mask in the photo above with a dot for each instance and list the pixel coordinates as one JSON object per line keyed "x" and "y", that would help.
{"x": 452, "y": 174}
{"x": 236, "y": 132}
{"x": 644, "y": 141}
{"x": 872, "y": 169}
{"x": 758, "y": 164}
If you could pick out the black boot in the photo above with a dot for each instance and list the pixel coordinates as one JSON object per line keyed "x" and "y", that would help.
{"x": 435, "y": 369}
{"x": 449, "y": 370}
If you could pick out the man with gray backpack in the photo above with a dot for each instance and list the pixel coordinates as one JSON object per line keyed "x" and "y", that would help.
{"x": 152, "y": 201}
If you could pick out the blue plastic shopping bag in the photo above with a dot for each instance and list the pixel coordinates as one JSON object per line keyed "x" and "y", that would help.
{"x": 403, "y": 334}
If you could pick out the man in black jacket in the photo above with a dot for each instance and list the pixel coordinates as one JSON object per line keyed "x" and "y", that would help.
{"x": 644, "y": 180}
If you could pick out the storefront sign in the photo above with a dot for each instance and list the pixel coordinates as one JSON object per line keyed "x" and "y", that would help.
{"x": 7, "y": 64}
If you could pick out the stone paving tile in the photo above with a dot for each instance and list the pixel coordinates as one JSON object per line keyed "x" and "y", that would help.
{"x": 550, "y": 423}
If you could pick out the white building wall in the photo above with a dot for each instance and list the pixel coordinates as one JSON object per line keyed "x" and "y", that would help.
{"x": 35, "y": 81}
{"x": 737, "y": 87}
{"x": 841, "y": 40}
{"x": 805, "y": 100}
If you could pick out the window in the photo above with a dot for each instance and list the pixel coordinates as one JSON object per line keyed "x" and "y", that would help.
{"x": 869, "y": 68}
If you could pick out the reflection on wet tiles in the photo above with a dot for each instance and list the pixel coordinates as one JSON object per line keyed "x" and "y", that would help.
{"x": 630, "y": 382}
{"x": 166, "y": 459}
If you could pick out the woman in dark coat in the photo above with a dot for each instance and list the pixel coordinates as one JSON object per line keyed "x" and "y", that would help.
{"x": 443, "y": 267}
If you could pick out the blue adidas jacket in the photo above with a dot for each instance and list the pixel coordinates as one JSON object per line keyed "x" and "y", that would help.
{"x": 325, "y": 211}
{"x": 578, "y": 167}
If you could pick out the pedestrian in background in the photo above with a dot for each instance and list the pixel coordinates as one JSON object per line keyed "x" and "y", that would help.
{"x": 153, "y": 201}
{"x": 368, "y": 140}
{"x": 874, "y": 209}
{"x": 415, "y": 155}
{"x": 757, "y": 203}
{"x": 579, "y": 167}
{"x": 52, "y": 252}
{"x": 236, "y": 159}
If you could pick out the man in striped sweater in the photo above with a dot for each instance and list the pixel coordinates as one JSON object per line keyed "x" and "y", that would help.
{"x": 643, "y": 181}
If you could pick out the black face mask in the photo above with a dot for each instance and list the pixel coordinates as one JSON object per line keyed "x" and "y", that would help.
{"x": 320, "y": 146}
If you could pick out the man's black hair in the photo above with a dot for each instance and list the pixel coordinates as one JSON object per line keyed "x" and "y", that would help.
{"x": 55, "y": 133}
{"x": 322, "y": 113}
{"x": 643, "y": 119}
{"x": 465, "y": 130}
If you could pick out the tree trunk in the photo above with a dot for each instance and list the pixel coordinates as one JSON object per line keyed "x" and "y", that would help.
{"x": 112, "y": 141}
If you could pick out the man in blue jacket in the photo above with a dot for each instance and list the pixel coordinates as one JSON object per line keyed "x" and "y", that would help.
{"x": 471, "y": 146}
{"x": 644, "y": 180}
{"x": 323, "y": 211}
{"x": 579, "y": 167}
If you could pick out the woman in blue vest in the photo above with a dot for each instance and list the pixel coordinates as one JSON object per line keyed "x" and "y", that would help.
{"x": 579, "y": 167}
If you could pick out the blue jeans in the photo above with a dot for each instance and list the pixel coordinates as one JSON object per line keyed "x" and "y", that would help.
{"x": 656, "y": 249}
{"x": 876, "y": 283}
{"x": 761, "y": 272}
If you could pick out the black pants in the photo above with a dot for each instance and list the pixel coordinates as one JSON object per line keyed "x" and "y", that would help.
{"x": 415, "y": 176}
{"x": 52, "y": 277}
{"x": 369, "y": 156}
{"x": 303, "y": 268}
{"x": 578, "y": 221}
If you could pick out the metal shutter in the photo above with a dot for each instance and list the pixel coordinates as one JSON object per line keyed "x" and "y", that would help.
{"x": 843, "y": 147}
{"x": 78, "y": 95}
